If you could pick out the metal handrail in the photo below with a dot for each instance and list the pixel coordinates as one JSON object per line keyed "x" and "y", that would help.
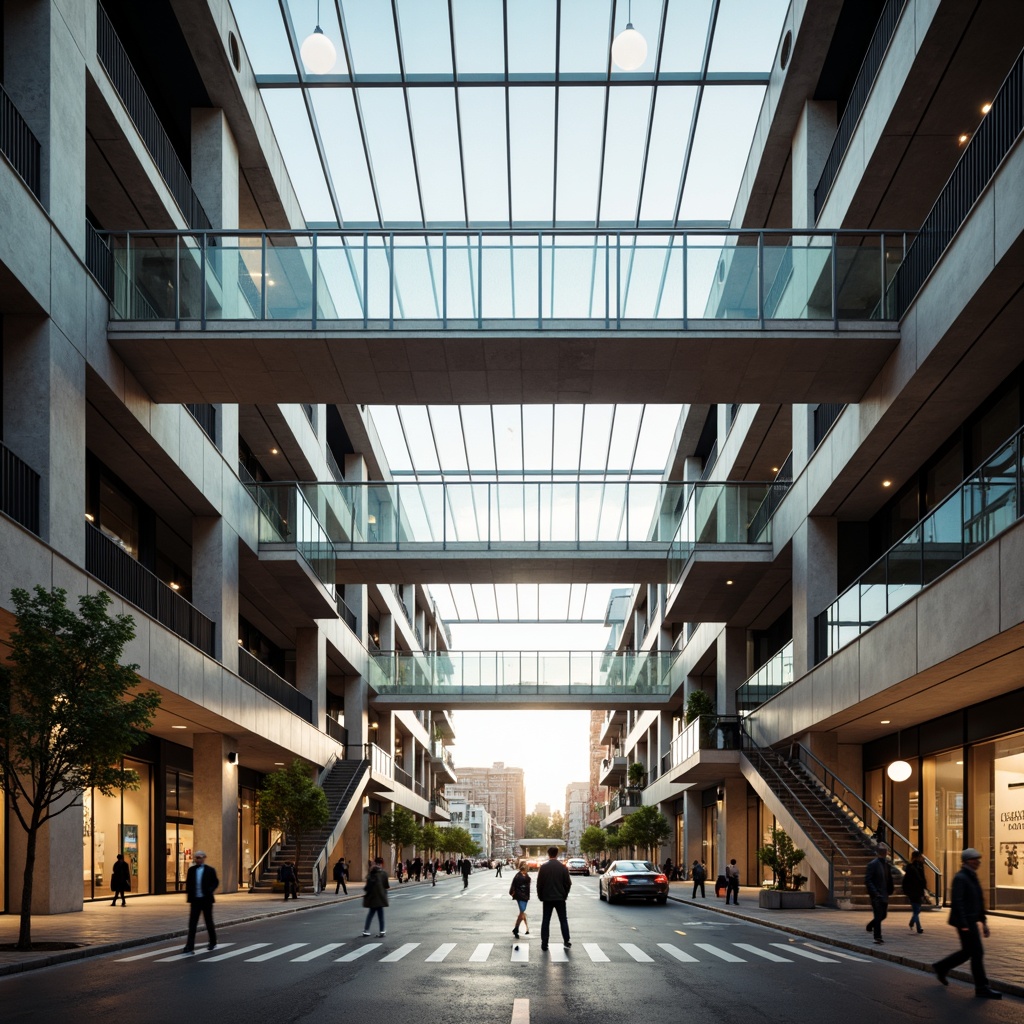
{"x": 320, "y": 873}
{"x": 256, "y": 868}
{"x": 848, "y": 795}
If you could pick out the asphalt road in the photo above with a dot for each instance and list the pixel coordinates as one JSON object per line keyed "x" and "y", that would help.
{"x": 449, "y": 958}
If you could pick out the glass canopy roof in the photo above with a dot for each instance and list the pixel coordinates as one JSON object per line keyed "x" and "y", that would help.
{"x": 509, "y": 114}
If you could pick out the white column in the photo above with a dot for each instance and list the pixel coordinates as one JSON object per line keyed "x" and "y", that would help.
{"x": 215, "y": 787}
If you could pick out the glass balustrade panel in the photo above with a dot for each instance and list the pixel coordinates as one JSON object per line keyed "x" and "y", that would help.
{"x": 558, "y": 512}
{"x": 462, "y": 277}
{"x": 942, "y": 537}
{"x": 515, "y": 513}
{"x": 873, "y": 595}
{"x": 990, "y": 498}
{"x": 643, "y": 265}
{"x": 380, "y": 519}
{"x": 422, "y": 512}
{"x": 904, "y": 570}
{"x": 497, "y": 278}
{"x": 234, "y": 278}
{"x": 378, "y": 278}
{"x": 417, "y": 279}
{"x": 467, "y": 509}
{"x": 859, "y": 270}
{"x": 289, "y": 278}
{"x": 339, "y": 286}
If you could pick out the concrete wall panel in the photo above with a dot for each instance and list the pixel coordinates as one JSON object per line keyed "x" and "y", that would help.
{"x": 1011, "y": 579}
{"x": 892, "y": 654}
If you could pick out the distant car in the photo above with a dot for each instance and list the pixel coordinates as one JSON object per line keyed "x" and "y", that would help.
{"x": 577, "y": 866}
{"x": 633, "y": 879}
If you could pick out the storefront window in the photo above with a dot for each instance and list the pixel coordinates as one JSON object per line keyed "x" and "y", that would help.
{"x": 248, "y": 833}
{"x": 179, "y": 838}
{"x": 121, "y": 823}
{"x": 997, "y": 819}
{"x": 942, "y": 785}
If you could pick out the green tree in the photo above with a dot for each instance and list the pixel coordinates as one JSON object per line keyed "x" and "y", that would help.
{"x": 697, "y": 704}
{"x": 536, "y": 826}
{"x": 293, "y": 803}
{"x": 397, "y": 828}
{"x": 458, "y": 840}
{"x": 782, "y": 856}
{"x": 67, "y": 713}
{"x": 646, "y": 829}
{"x": 556, "y": 827}
{"x": 431, "y": 838}
{"x": 594, "y": 840}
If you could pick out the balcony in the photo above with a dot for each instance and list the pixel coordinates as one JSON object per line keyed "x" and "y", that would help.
{"x": 986, "y": 504}
{"x": 19, "y": 490}
{"x": 614, "y": 720}
{"x": 439, "y": 807}
{"x": 18, "y": 144}
{"x": 116, "y": 569}
{"x": 771, "y": 678}
{"x": 442, "y": 757}
{"x": 269, "y": 683}
{"x": 613, "y": 771}
{"x": 707, "y": 750}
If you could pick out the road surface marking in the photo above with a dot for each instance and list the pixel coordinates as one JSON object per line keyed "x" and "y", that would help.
{"x": 235, "y": 952}
{"x": 558, "y": 954}
{"x": 845, "y": 956}
{"x": 677, "y": 953}
{"x": 804, "y": 952}
{"x": 275, "y": 952}
{"x": 357, "y": 953}
{"x": 152, "y": 952}
{"x": 774, "y": 957}
{"x": 441, "y": 952}
{"x": 319, "y": 951}
{"x": 481, "y": 953}
{"x": 185, "y": 956}
{"x": 720, "y": 953}
{"x": 403, "y": 950}
{"x": 595, "y": 953}
{"x": 637, "y": 953}
{"x": 521, "y": 1011}
{"x": 521, "y": 953}
{"x": 423, "y": 897}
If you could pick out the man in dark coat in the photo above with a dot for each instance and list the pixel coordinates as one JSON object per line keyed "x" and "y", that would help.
{"x": 879, "y": 884}
{"x": 553, "y": 885}
{"x": 467, "y": 867}
{"x": 286, "y": 875}
{"x": 967, "y": 911}
{"x": 340, "y": 870}
{"x": 200, "y": 884}
{"x": 120, "y": 879}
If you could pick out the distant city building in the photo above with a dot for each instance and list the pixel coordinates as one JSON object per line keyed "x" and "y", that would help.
{"x": 471, "y": 816}
{"x": 598, "y": 793}
{"x": 577, "y": 814}
{"x": 502, "y": 790}
{"x": 543, "y": 810}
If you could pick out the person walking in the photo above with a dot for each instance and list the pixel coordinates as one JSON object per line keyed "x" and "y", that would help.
{"x": 376, "y": 896}
{"x": 914, "y": 887}
{"x": 732, "y": 883}
{"x": 967, "y": 912}
{"x": 417, "y": 868}
{"x": 433, "y": 866}
{"x": 497, "y": 874}
{"x": 467, "y": 867}
{"x": 553, "y": 885}
{"x": 200, "y": 884}
{"x": 398, "y": 870}
{"x": 667, "y": 869}
{"x": 120, "y": 880}
{"x": 286, "y": 875}
{"x": 340, "y": 871}
{"x": 879, "y": 884}
{"x": 519, "y": 890}
{"x": 698, "y": 875}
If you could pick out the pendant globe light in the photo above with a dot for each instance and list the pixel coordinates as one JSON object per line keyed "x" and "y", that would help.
{"x": 317, "y": 51}
{"x": 899, "y": 770}
{"x": 629, "y": 48}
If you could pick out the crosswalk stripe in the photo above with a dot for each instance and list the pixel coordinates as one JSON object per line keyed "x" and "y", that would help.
{"x": 423, "y": 897}
{"x": 357, "y": 953}
{"x": 186, "y": 956}
{"x": 845, "y": 956}
{"x": 722, "y": 954}
{"x": 441, "y": 952}
{"x": 595, "y": 953}
{"x": 637, "y": 953}
{"x": 521, "y": 1011}
{"x": 767, "y": 954}
{"x": 235, "y": 952}
{"x": 677, "y": 953}
{"x": 481, "y": 953}
{"x": 805, "y": 952}
{"x": 558, "y": 954}
{"x": 404, "y": 950}
{"x": 319, "y": 951}
{"x": 276, "y": 952}
{"x": 437, "y": 897}
{"x": 143, "y": 956}
{"x": 521, "y": 953}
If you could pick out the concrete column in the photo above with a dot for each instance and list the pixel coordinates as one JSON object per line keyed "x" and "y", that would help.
{"x": 693, "y": 827}
{"x": 57, "y": 873}
{"x": 355, "y": 844}
{"x": 44, "y": 74}
{"x": 387, "y": 632}
{"x": 227, "y": 433}
{"x": 730, "y": 667}
{"x": 44, "y": 424}
{"x": 311, "y": 670}
{"x": 732, "y": 826}
{"x": 216, "y": 805}
{"x": 356, "y": 704}
{"x": 215, "y": 582}
{"x": 803, "y": 437}
{"x": 215, "y": 167}
{"x": 814, "y": 584}
{"x": 812, "y": 142}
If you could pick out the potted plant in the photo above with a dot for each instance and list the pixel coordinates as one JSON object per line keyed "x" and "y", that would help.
{"x": 700, "y": 705}
{"x": 782, "y": 856}
{"x": 635, "y": 773}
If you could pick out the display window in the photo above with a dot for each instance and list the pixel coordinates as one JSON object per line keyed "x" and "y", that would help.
{"x": 178, "y": 807}
{"x": 942, "y": 786}
{"x": 997, "y": 819}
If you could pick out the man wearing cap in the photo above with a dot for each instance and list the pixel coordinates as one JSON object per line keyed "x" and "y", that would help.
{"x": 966, "y": 913}
{"x": 879, "y": 884}
{"x": 200, "y": 883}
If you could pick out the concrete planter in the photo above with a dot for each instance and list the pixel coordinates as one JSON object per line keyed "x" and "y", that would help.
{"x": 777, "y": 899}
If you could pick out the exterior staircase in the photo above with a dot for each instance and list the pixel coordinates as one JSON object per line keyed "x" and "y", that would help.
{"x": 343, "y": 785}
{"x": 824, "y": 821}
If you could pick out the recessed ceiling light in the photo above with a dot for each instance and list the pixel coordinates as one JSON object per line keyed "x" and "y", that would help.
{"x": 279, "y": 762}
{"x": 179, "y": 726}
{"x": 885, "y": 721}
{"x": 728, "y": 583}
{"x": 959, "y": 762}
{"x": 273, "y": 451}
{"x": 986, "y": 107}
{"x": 887, "y": 483}
{"x": 962, "y": 138}
{"x": 775, "y": 469}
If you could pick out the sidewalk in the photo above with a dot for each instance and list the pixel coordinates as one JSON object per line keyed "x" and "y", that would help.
{"x": 845, "y": 928}
{"x": 101, "y": 928}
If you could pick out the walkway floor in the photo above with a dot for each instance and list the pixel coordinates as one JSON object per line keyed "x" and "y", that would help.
{"x": 101, "y": 928}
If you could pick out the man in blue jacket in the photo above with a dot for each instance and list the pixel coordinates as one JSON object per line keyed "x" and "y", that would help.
{"x": 966, "y": 913}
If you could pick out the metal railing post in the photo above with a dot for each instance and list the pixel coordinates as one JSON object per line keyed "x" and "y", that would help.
{"x": 263, "y": 276}
{"x": 444, "y": 280}
{"x": 835, "y": 282}
{"x": 685, "y": 282}
{"x": 480, "y": 279}
{"x": 618, "y": 281}
{"x": 202, "y": 283}
{"x": 760, "y": 279}
{"x": 391, "y": 281}
{"x": 314, "y": 274}
{"x": 540, "y": 276}
{"x": 607, "y": 283}
{"x": 177, "y": 282}
{"x": 366, "y": 286}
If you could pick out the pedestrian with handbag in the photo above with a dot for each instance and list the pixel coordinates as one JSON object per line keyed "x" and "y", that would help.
{"x": 519, "y": 890}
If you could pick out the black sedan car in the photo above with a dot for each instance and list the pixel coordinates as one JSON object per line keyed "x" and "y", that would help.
{"x": 633, "y": 879}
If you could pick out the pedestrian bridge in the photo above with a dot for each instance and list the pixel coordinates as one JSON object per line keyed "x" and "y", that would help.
{"x": 524, "y": 679}
{"x": 501, "y": 317}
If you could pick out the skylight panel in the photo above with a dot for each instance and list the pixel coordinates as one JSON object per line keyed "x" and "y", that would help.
{"x": 725, "y": 127}
{"x": 673, "y": 112}
{"x": 657, "y": 432}
{"x": 477, "y": 431}
{"x": 531, "y": 37}
{"x": 686, "y": 31}
{"x": 532, "y": 132}
{"x": 387, "y": 136}
{"x": 628, "y": 112}
{"x": 529, "y": 600}
{"x": 577, "y": 598}
{"x": 479, "y": 37}
{"x": 264, "y": 36}
{"x": 508, "y": 437}
{"x": 553, "y": 601}
{"x": 446, "y": 606}
{"x": 419, "y": 438}
{"x": 464, "y": 600}
{"x": 447, "y": 430}
{"x": 486, "y": 601}
{"x": 597, "y": 424}
{"x": 580, "y": 128}
{"x": 585, "y": 37}
{"x": 435, "y": 131}
{"x": 370, "y": 29}
{"x": 568, "y": 433}
{"x": 483, "y": 137}
{"x": 747, "y": 35}
{"x": 339, "y": 133}
{"x": 426, "y": 42}
{"x": 537, "y": 430}
{"x": 624, "y": 434}
{"x": 507, "y": 597}
{"x": 290, "y": 122}
{"x": 389, "y": 430}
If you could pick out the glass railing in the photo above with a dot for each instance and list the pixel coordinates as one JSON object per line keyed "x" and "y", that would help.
{"x": 774, "y": 675}
{"x": 708, "y": 732}
{"x": 445, "y": 280}
{"x": 439, "y": 516}
{"x": 983, "y": 506}
{"x": 472, "y": 674}
{"x": 722, "y": 513}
